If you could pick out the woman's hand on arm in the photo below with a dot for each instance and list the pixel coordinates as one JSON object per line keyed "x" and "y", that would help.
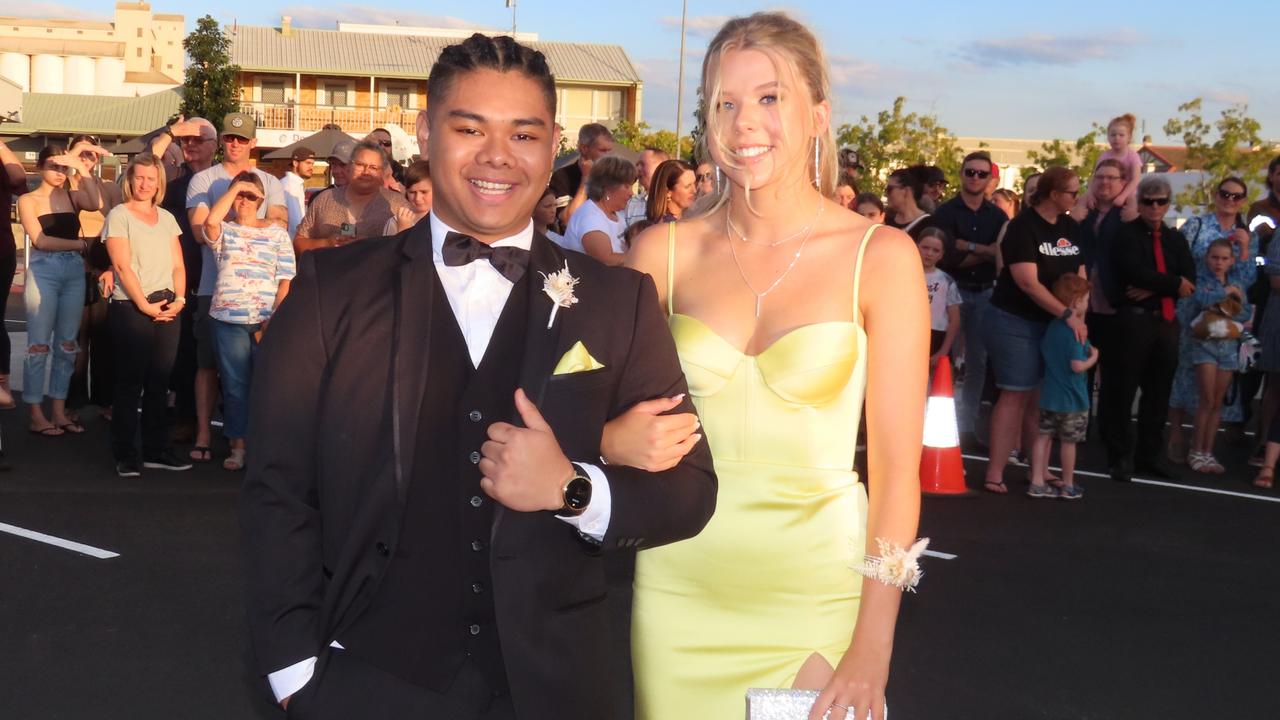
{"x": 1028, "y": 281}
{"x": 644, "y": 438}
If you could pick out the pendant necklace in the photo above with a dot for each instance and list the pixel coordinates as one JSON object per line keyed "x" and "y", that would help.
{"x": 760, "y": 296}
{"x": 734, "y": 229}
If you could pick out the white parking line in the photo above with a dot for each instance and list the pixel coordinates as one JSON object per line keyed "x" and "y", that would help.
{"x": 1159, "y": 483}
{"x": 81, "y": 548}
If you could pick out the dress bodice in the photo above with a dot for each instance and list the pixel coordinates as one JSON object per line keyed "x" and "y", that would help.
{"x": 798, "y": 402}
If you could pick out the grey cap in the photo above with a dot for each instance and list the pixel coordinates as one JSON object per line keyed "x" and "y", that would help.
{"x": 342, "y": 151}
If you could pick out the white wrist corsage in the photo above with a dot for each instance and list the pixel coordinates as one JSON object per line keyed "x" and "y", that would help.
{"x": 896, "y": 566}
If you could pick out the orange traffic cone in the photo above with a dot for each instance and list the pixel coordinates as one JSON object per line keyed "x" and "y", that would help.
{"x": 941, "y": 467}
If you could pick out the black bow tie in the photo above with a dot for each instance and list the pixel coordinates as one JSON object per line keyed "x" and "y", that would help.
{"x": 462, "y": 249}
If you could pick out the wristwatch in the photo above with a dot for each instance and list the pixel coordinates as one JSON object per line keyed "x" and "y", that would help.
{"x": 167, "y": 130}
{"x": 1066, "y": 314}
{"x": 576, "y": 493}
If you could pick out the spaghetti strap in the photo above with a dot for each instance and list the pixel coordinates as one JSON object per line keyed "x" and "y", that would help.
{"x": 857, "y": 270}
{"x": 671, "y": 268}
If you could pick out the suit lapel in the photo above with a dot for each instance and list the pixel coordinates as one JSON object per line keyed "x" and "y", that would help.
{"x": 541, "y": 343}
{"x": 415, "y": 283}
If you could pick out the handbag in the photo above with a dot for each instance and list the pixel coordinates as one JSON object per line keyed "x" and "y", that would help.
{"x": 787, "y": 704}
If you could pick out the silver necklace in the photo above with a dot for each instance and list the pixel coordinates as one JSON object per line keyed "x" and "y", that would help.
{"x": 734, "y": 229}
{"x": 760, "y": 296}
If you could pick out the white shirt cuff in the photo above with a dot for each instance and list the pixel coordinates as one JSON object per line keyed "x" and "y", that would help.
{"x": 285, "y": 683}
{"x": 594, "y": 521}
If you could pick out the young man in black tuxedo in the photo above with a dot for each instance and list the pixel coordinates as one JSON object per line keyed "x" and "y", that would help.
{"x": 417, "y": 540}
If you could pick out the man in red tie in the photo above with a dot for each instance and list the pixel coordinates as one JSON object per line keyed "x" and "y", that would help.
{"x": 1153, "y": 264}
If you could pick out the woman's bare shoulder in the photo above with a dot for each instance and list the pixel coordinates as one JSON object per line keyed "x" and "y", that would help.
{"x": 650, "y": 249}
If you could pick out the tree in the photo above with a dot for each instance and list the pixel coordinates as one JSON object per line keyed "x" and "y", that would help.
{"x": 1238, "y": 149}
{"x": 1081, "y": 156}
{"x": 896, "y": 140}
{"x": 638, "y": 136}
{"x": 209, "y": 90}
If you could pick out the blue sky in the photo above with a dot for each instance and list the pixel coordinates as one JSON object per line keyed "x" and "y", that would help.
{"x": 992, "y": 69}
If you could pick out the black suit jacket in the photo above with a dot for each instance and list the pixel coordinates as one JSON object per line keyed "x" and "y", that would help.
{"x": 1134, "y": 260}
{"x": 336, "y": 393}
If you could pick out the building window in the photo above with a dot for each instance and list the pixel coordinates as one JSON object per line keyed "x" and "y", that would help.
{"x": 139, "y": 52}
{"x": 139, "y": 32}
{"x": 336, "y": 95}
{"x": 169, "y": 66}
{"x": 401, "y": 96}
{"x": 273, "y": 92}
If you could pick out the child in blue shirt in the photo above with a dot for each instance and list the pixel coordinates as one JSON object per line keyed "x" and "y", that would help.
{"x": 1064, "y": 394}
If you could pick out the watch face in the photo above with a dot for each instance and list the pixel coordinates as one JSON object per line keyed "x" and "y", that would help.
{"x": 577, "y": 494}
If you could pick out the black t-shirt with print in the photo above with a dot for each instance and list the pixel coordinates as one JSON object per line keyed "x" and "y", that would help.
{"x": 1053, "y": 247}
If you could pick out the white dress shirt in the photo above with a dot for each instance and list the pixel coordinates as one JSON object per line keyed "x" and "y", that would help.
{"x": 295, "y": 199}
{"x": 477, "y": 293}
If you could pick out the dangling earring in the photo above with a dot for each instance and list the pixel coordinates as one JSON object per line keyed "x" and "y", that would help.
{"x": 717, "y": 178}
{"x": 817, "y": 166}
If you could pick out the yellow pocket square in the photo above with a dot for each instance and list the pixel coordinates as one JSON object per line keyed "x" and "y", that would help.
{"x": 577, "y": 360}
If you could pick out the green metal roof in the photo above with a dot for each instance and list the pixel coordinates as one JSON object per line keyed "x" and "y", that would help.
{"x": 331, "y": 52}
{"x": 50, "y": 113}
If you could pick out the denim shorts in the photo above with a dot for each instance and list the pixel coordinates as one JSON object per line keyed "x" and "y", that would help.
{"x": 1223, "y": 353}
{"x": 1013, "y": 349}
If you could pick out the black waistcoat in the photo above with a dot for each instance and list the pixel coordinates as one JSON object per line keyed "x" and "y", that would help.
{"x": 434, "y": 608}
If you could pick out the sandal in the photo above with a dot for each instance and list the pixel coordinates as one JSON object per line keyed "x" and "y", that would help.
{"x": 234, "y": 461}
{"x": 50, "y": 431}
{"x": 72, "y": 427}
{"x": 996, "y": 486}
{"x": 201, "y": 454}
{"x": 1265, "y": 478}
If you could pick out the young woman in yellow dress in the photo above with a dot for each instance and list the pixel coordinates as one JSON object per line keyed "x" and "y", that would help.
{"x": 785, "y": 308}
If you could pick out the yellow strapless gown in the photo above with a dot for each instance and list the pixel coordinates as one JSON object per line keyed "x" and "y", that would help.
{"x": 769, "y": 581}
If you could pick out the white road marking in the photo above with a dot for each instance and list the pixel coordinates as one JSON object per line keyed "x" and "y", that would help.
{"x": 940, "y": 555}
{"x": 1160, "y": 483}
{"x": 81, "y": 548}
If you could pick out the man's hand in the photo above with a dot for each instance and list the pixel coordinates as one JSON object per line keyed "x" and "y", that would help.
{"x": 184, "y": 128}
{"x": 1186, "y": 288}
{"x": 524, "y": 468}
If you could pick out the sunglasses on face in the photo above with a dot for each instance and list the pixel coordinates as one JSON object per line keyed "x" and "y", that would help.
{"x": 384, "y": 143}
{"x": 234, "y": 140}
{"x": 89, "y": 155}
{"x": 975, "y": 173}
{"x": 1107, "y": 178}
{"x": 1154, "y": 201}
{"x": 193, "y": 140}
{"x": 704, "y": 176}
{"x": 245, "y": 195}
{"x": 1072, "y": 193}
{"x": 1230, "y": 196}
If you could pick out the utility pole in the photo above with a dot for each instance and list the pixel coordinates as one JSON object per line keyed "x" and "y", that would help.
{"x": 684, "y": 16}
{"x": 512, "y": 4}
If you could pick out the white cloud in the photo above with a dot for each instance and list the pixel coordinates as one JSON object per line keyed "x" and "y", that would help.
{"x": 698, "y": 25}
{"x": 328, "y": 17}
{"x": 1046, "y": 49}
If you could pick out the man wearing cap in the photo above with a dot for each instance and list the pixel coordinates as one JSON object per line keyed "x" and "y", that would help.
{"x": 294, "y": 184}
{"x": 238, "y": 141}
{"x": 339, "y": 158}
{"x": 356, "y": 211}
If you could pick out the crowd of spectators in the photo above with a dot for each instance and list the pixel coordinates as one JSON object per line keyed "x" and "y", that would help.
{"x": 1058, "y": 305}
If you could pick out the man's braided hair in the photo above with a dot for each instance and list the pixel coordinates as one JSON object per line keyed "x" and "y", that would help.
{"x": 481, "y": 52}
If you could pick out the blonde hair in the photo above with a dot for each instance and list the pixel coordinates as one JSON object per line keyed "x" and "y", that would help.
{"x": 1127, "y": 119}
{"x": 795, "y": 53}
{"x": 145, "y": 160}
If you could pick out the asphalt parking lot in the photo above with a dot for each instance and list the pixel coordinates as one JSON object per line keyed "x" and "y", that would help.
{"x": 1139, "y": 601}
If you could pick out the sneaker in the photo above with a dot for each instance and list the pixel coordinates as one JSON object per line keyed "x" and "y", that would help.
{"x": 1258, "y": 459}
{"x": 1042, "y": 491}
{"x": 1017, "y": 458}
{"x": 166, "y": 461}
{"x": 1075, "y": 492}
{"x": 127, "y": 468}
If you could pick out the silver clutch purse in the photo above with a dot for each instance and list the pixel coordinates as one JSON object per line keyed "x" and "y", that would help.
{"x": 764, "y": 704}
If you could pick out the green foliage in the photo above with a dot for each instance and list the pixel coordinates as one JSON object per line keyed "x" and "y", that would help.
{"x": 1081, "y": 156}
{"x": 638, "y": 136}
{"x": 209, "y": 90}
{"x": 897, "y": 139}
{"x": 1237, "y": 150}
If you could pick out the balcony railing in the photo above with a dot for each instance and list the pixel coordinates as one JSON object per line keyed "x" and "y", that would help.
{"x": 309, "y": 118}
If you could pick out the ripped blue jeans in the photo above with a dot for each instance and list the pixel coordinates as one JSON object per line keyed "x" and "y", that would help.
{"x": 54, "y": 298}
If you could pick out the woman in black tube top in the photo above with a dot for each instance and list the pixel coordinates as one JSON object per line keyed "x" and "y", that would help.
{"x": 54, "y": 290}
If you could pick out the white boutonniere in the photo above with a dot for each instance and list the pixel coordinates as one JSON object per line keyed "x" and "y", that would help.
{"x": 559, "y": 287}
